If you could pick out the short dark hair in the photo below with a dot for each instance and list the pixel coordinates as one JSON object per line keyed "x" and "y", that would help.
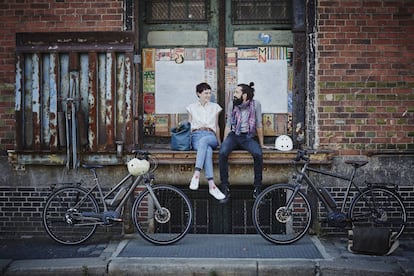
{"x": 247, "y": 89}
{"x": 202, "y": 86}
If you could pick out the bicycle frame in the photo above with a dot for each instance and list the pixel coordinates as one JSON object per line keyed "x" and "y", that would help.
{"x": 304, "y": 176}
{"x": 131, "y": 189}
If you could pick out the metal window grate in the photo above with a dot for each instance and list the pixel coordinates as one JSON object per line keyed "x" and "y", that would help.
{"x": 261, "y": 12}
{"x": 176, "y": 11}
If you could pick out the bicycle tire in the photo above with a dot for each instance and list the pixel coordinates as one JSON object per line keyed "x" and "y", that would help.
{"x": 159, "y": 229}
{"x": 62, "y": 221}
{"x": 386, "y": 211}
{"x": 271, "y": 220}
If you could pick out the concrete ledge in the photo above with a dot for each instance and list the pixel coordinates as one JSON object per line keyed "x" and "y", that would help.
{"x": 286, "y": 267}
{"x": 164, "y": 156}
{"x": 182, "y": 267}
{"x": 362, "y": 267}
{"x": 70, "y": 267}
{"x": 175, "y": 167}
{"x": 239, "y": 157}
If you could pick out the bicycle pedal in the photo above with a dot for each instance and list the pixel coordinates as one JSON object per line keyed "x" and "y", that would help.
{"x": 114, "y": 219}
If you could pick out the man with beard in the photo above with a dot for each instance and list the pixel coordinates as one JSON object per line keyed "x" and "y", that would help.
{"x": 243, "y": 125}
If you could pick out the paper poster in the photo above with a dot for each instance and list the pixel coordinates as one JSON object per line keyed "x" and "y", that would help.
{"x": 175, "y": 85}
{"x": 148, "y": 59}
{"x": 270, "y": 83}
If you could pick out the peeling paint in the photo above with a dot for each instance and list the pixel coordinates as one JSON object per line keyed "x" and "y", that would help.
{"x": 18, "y": 87}
{"x": 105, "y": 88}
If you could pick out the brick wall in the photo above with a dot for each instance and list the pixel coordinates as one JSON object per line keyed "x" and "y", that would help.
{"x": 44, "y": 16}
{"x": 365, "y": 75}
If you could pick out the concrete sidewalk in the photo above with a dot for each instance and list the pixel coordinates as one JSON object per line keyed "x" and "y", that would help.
{"x": 203, "y": 255}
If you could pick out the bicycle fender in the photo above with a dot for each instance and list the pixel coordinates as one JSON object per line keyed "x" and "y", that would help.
{"x": 287, "y": 185}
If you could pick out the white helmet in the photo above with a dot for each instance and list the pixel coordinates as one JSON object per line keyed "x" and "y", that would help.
{"x": 137, "y": 166}
{"x": 283, "y": 143}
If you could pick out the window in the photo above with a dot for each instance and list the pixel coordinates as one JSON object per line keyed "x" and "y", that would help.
{"x": 261, "y": 12}
{"x": 176, "y": 11}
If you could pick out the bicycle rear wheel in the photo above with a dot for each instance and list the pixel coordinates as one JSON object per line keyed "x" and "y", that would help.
{"x": 167, "y": 226}
{"x": 379, "y": 207}
{"x": 278, "y": 223}
{"x": 62, "y": 215}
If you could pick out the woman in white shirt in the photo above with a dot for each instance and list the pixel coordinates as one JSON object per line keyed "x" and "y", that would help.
{"x": 203, "y": 116}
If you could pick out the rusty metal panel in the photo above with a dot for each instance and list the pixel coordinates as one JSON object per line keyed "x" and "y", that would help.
{"x": 120, "y": 98}
{"x": 27, "y": 99}
{"x": 19, "y": 106}
{"x": 104, "y": 99}
{"x": 124, "y": 99}
{"x": 45, "y": 99}
{"x": 92, "y": 102}
{"x": 36, "y": 100}
{"x": 110, "y": 101}
{"x": 101, "y": 101}
{"x": 128, "y": 128}
{"x": 83, "y": 103}
{"x": 64, "y": 79}
{"x": 53, "y": 102}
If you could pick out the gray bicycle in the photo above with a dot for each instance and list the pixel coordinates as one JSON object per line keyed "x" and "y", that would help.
{"x": 162, "y": 214}
{"x": 282, "y": 212}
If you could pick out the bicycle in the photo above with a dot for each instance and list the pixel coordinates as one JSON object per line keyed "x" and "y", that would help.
{"x": 282, "y": 213}
{"x": 162, "y": 214}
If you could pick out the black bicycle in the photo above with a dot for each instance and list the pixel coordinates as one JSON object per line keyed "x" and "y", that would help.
{"x": 282, "y": 212}
{"x": 162, "y": 214}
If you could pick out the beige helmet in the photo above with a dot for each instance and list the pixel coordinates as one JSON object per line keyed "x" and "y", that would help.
{"x": 137, "y": 166}
{"x": 283, "y": 143}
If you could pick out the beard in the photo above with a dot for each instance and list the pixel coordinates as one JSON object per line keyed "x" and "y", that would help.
{"x": 237, "y": 101}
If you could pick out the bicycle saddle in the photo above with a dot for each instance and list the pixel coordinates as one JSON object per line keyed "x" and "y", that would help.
{"x": 356, "y": 163}
{"x": 92, "y": 166}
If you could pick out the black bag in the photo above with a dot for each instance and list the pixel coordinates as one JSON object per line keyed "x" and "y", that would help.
{"x": 181, "y": 136}
{"x": 370, "y": 240}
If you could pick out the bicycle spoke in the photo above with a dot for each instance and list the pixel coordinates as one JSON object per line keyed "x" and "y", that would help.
{"x": 167, "y": 225}
{"x": 277, "y": 222}
{"x": 379, "y": 207}
{"x": 63, "y": 221}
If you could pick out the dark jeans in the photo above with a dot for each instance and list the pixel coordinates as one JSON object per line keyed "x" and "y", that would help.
{"x": 245, "y": 142}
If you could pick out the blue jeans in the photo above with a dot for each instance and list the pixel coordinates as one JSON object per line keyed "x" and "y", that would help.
{"x": 242, "y": 141}
{"x": 204, "y": 141}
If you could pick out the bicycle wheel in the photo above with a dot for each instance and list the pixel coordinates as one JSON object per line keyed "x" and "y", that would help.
{"x": 277, "y": 222}
{"x": 379, "y": 207}
{"x": 167, "y": 226}
{"x": 62, "y": 215}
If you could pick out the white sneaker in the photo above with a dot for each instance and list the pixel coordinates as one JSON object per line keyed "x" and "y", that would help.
{"x": 194, "y": 183}
{"x": 214, "y": 191}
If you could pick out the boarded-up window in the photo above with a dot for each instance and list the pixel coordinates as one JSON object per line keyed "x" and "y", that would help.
{"x": 74, "y": 89}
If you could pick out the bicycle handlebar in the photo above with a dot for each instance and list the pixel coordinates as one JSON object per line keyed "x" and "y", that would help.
{"x": 143, "y": 153}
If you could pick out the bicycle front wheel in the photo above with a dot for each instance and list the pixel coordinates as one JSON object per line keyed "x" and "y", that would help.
{"x": 379, "y": 207}
{"x": 62, "y": 215}
{"x": 168, "y": 224}
{"x": 278, "y": 222}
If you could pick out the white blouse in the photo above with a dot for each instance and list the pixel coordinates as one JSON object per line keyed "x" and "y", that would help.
{"x": 203, "y": 116}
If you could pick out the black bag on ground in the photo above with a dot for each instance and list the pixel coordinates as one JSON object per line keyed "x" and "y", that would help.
{"x": 181, "y": 136}
{"x": 370, "y": 240}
